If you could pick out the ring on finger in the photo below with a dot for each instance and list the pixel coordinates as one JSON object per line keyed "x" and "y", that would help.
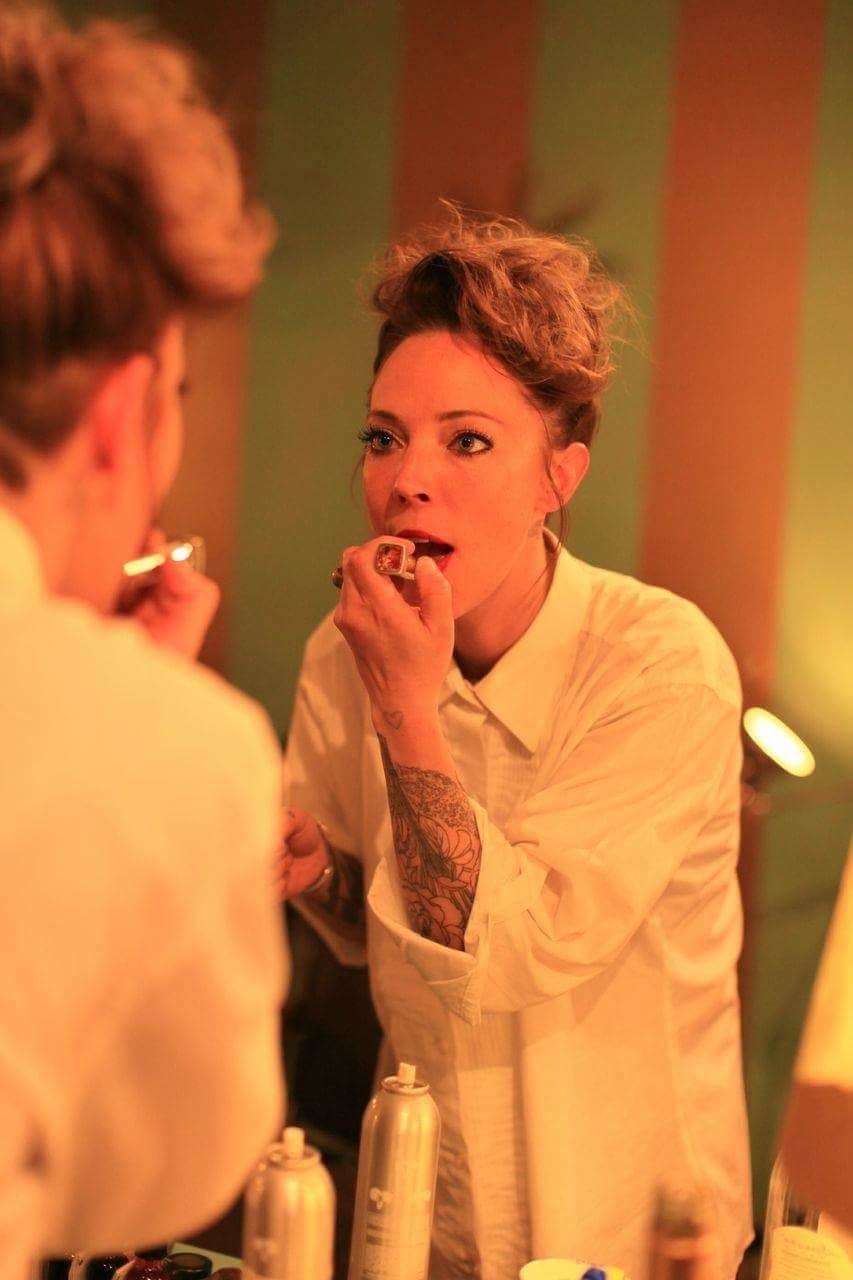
{"x": 393, "y": 558}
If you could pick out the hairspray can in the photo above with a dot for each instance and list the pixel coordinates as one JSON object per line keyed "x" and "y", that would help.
{"x": 397, "y": 1167}
{"x": 289, "y": 1214}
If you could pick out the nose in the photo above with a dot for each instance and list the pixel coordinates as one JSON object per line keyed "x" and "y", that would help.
{"x": 414, "y": 479}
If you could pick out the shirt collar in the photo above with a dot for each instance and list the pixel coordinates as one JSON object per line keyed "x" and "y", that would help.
{"x": 21, "y": 576}
{"x": 521, "y": 687}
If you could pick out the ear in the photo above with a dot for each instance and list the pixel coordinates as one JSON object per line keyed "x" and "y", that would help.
{"x": 117, "y": 413}
{"x": 568, "y": 467}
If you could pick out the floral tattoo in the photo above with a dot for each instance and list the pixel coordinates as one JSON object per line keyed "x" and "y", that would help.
{"x": 438, "y": 849}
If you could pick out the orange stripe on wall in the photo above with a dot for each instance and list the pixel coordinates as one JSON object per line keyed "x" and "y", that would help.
{"x": 231, "y": 41}
{"x": 464, "y": 106}
{"x": 733, "y": 262}
{"x": 733, "y": 265}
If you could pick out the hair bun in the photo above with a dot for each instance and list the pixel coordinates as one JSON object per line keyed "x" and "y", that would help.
{"x": 28, "y": 134}
{"x": 27, "y": 155}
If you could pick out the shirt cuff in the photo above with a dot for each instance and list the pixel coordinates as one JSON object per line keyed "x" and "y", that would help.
{"x": 458, "y": 978}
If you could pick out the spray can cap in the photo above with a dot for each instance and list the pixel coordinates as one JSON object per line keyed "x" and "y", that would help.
{"x": 293, "y": 1143}
{"x": 405, "y": 1082}
{"x": 292, "y": 1152}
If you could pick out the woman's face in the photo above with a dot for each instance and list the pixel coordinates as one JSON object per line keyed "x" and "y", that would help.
{"x": 455, "y": 452}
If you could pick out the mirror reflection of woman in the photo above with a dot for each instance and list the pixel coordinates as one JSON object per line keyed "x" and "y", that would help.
{"x": 514, "y": 782}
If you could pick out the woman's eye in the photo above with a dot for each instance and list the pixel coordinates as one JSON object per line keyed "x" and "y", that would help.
{"x": 472, "y": 442}
{"x": 376, "y": 440}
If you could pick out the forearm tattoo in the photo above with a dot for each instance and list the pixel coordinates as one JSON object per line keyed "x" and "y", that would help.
{"x": 343, "y": 897}
{"x": 438, "y": 849}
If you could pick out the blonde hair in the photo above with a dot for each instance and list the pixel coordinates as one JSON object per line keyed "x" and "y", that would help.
{"x": 121, "y": 205}
{"x": 541, "y": 305}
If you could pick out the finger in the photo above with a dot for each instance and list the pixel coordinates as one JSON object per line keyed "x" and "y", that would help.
{"x": 349, "y": 591}
{"x": 133, "y": 592}
{"x": 353, "y": 562}
{"x": 301, "y": 836}
{"x": 179, "y": 590}
{"x": 436, "y": 598}
{"x": 358, "y": 603}
{"x": 184, "y": 582}
{"x": 155, "y": 539}
{"x": 347, "y": 555}
{"x": 372, "y": 585}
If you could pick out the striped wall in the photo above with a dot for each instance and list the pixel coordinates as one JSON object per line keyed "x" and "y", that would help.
{"x": 597, "y": 155}
{"x": 327, "y": 142}
{"x": 206, "y": 498}
{"x": 704, "y": 147}
{"x": 803, "y": 846}
{"x": 734, "y": 231}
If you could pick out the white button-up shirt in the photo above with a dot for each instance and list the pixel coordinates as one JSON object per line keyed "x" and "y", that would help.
{"x": 586, "y": 1042}
{"x": 141, "y": 948}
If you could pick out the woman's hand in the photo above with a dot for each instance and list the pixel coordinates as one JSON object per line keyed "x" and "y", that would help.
{"x": 175, "y": 605}
{"x": 402, "y": 650}
{"x": 302, "y": 855}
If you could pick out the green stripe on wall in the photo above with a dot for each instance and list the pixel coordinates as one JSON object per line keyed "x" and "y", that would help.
{"x": 326, "y": 148}
{"x": 599, "y": 138}
{"x": 804, "y": 848}
{"x": 814, "y": 684}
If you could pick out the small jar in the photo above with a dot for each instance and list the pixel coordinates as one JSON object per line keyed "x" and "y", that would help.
{"x": 189, "y": 1266}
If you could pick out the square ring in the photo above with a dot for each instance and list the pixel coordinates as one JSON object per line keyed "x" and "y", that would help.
{"x": 392, "y": 557}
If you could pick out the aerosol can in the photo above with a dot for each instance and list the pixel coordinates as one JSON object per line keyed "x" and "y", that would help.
{"x": 397, "y": 1166}
{"x": 289, "y": 1214}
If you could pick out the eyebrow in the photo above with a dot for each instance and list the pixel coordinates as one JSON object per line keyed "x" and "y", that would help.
{"x": 450, "y": 416}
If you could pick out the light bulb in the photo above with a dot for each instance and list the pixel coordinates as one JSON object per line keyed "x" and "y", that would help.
{"x": 778, "y": 742}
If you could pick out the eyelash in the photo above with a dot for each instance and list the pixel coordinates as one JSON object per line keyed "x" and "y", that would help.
{"x": 368, "y": 435}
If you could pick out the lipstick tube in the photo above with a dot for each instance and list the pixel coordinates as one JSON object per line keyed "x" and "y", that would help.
{"x": 189, "y": 551}
{"x": 392, "y": 558}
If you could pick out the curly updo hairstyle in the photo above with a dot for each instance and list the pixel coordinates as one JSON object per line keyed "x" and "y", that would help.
{"x": 121, "y": 205}
{"x": 541, "y": 305}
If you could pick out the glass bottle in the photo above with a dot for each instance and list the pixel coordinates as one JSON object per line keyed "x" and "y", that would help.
{"x": 150, "y": 1264}
{"x": 800, "y": 1243}
{"x": 87, "y": 1266}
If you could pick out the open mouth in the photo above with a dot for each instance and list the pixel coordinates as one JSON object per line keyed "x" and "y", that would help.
{"x": 440, "y": 552}
{"x": 426, "y": 543}
{"x": 436, "y": 550}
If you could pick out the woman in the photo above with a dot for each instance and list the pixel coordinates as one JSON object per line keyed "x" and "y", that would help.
{"x": 531, "y": 768}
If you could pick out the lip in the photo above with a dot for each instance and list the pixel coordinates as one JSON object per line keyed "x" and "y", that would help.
{"x": 441, "y": 562}
{"x": 411, "y": 534}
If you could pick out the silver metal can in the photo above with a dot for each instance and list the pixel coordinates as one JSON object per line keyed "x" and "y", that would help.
{"x": 289, "y": 1214}
{"x": 397, "y": 1167}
